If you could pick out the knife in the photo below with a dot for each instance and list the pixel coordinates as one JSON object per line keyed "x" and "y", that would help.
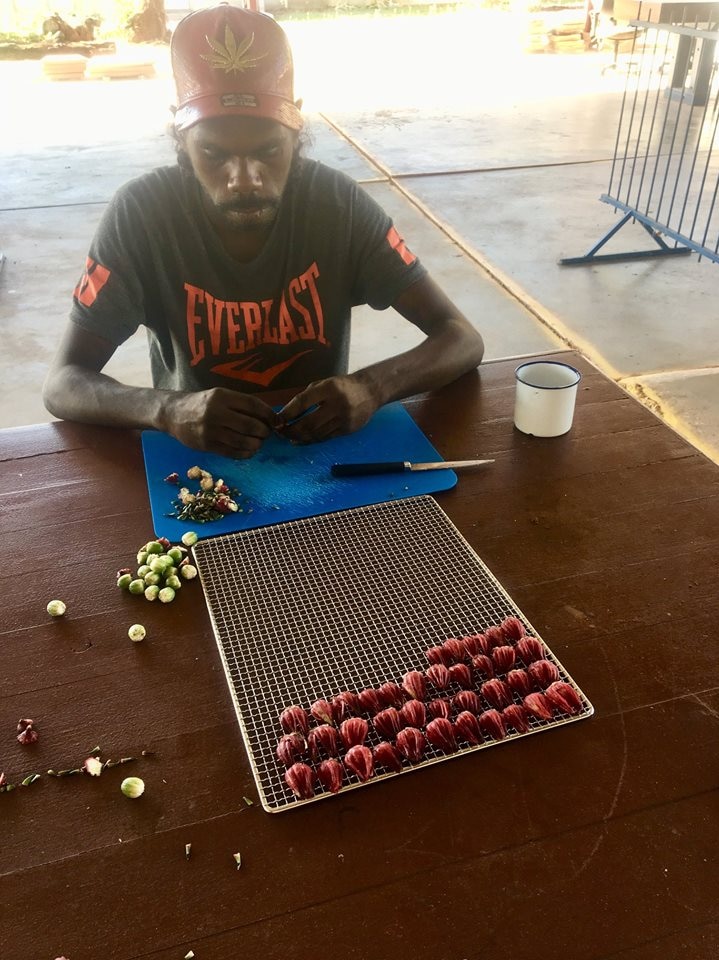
{"x": 399, "y": 466}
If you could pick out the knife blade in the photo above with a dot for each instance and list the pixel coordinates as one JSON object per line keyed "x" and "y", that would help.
{"x": 399, "y": 466}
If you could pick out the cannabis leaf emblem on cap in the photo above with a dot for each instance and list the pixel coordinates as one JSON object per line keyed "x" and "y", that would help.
{"x": 231, "y": 57}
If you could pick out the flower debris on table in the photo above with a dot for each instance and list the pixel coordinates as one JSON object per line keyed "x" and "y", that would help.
{"x": 212, "y": 500}
{"x": 26, "y": 732}
{"x": 28, "y": 781}
{"x": 92, "y": 766}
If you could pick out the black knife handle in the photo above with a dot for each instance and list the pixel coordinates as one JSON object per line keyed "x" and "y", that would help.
{"x": 366, "y": 469}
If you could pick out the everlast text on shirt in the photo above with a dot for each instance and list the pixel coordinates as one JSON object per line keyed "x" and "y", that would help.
{"x": 219, "y": 328}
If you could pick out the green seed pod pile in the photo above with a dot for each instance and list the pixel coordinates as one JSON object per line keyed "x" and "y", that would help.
{"x": 161, "y": 569}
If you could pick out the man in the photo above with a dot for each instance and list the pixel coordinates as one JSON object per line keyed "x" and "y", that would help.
{"x": 244, "y": 262}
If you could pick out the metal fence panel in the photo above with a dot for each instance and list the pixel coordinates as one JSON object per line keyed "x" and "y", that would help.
{"x": 665, "y": 168}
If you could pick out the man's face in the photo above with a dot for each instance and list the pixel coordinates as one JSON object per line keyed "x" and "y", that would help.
{"x": 242, "y": 165}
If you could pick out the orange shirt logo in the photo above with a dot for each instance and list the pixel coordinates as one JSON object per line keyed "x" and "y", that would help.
{"x": 220, "y": 329}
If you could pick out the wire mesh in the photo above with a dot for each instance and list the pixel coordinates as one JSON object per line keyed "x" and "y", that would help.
{"x": 665, "y": 168}
{"x": 344, "y": 601}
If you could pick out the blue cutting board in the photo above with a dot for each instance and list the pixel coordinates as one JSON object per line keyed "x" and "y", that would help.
{"x": 286, "y": 481}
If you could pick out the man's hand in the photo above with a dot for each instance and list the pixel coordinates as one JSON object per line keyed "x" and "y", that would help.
{"x": 219, "y": 421}
{"x": 342, "y": 405}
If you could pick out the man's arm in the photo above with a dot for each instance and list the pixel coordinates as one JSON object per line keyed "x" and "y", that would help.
{"x": 221, "y": 421}
{"x": 344, "y": 404}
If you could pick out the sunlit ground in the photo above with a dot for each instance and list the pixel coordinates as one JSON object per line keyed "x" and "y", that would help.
{"x": 449, "y": 61}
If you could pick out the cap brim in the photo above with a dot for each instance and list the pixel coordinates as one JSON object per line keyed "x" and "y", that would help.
{"x": 231, "y": 105}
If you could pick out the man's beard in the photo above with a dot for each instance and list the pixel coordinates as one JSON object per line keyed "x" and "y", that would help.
{"x": 247, "y": 213}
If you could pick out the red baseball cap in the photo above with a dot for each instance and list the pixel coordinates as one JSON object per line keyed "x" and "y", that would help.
{"x": 228, "y": 61}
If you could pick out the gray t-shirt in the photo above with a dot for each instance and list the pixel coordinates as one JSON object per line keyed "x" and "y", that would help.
{"x": 281, "y": 320}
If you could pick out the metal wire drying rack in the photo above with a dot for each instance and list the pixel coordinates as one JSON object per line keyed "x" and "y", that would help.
{"x": 347, "y": 600}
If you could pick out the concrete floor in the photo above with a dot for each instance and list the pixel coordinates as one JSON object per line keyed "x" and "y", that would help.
{"x": 490, "y": 161}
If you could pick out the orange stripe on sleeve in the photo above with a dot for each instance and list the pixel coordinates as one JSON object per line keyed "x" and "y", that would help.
{"x": 91, "y": 283}
{"x": 398, "y": 244}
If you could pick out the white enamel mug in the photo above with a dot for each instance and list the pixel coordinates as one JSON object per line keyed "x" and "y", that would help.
{"x": 545, "y": 397}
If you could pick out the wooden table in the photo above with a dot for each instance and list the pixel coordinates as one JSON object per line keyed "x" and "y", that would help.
{"x": 595, "y": 840}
